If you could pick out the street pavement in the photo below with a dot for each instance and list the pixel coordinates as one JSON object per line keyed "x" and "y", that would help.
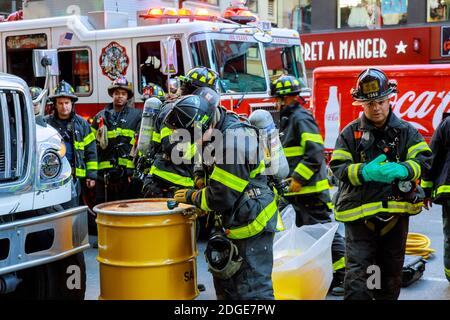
{"x": 432, "y": 286}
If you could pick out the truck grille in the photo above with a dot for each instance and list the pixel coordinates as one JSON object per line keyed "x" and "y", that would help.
{"x": 12, "y": 146}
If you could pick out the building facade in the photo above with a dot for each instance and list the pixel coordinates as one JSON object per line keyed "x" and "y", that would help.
{"x": 365, "y": 32}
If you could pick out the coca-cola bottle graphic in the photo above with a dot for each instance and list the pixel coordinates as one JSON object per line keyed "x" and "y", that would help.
{"x": 332, "y": 118}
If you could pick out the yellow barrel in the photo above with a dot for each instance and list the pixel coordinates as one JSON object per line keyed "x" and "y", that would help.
{"x": 146, "y": 251}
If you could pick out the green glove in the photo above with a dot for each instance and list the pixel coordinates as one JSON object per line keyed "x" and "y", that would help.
{"x": 371, "y": 171}
{"x": 393, "y": 170}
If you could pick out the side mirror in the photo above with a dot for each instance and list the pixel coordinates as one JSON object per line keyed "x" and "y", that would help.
{"x": 169, "y": 64}
{"x": 43, "y": 59}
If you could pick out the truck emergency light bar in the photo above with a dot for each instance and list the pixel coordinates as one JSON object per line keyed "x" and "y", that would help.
{"x": 236, "y": 15}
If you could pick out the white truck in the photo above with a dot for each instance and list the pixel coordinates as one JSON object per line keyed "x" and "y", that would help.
{"x": 41, "y": 245}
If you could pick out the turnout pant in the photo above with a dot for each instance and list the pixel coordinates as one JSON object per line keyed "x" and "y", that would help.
{"x": 253, "y": 281}
{"x": 446, "y": 221}
{"x": 115, "y": 189}
{"x": 313, "y": 211}
{"x": 373, "y": 249}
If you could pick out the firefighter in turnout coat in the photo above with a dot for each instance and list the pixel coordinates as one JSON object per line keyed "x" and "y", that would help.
{"x": 377, "y": 159}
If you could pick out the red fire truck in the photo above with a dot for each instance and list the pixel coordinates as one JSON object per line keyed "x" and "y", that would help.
{"x": 247, "y": 56}
{"x": 423, "y": 96}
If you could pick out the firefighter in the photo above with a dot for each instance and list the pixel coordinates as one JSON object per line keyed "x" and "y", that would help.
{"x": 308, "y": 187}
{"x": 115, "y": 128}
{"x": 78, "y": 139}
{"x": 196, "y": 78}
{"x": 377, "y": 159}
{"x": 165, "y": 176}
{"x": 436, "y": 183}
{"x": 240, "y": 252}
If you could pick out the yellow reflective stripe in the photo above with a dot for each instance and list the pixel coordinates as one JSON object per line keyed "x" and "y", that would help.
{"x": 204, "y": 203}
{"x": 81, "y": 173}
{"x": 318, "y": 187}
{"x": 443, "y": 189}
{"x": 341, "y": 155}
{"x": 426, "y": 184}
{"x": 165, "y": 132}
{"x": 129, "y": 164}
{"x": 89, "y": 138}
{"x": 304, "y": 171}
{"x": 260, "y": 169}
{"x": 292, "y": 151}
{"x": 92, "y": 165}
{"x": 256, "y": 226}
{"x": 305, "y": 137}
{"x": 280, "y": 225}
{"x": 228, "y": 179}
{"x": 370, "y": 209}
{"x": 339, "y": 264}
{"x": 417, "y": 148}
{"x": 313, "y": 137}
{"x": 190, "y": 153}
{"x": 352, "y": 172}
{"x": 330, "y": 205}
{"x": 156, "y": 137}
{"x": 94, "y": 130}
{"x": 172, "y": 177}
{"x": 447, "y": 272}
{"x": 416, "y": 169}
{"x": 104, "y": 165}
{"x": 78, "y": 145}
{"x": 121, "y": 132}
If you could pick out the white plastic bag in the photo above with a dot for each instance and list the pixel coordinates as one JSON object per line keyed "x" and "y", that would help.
{"x": 302, "y": 268}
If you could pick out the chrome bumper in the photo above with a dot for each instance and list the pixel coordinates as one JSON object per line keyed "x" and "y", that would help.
{"x": 70, "y": 236}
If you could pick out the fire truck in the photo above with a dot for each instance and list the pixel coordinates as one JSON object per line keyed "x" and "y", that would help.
{"x": 165, "y": 43}
{"x": 41, "y": 244}
{"x": 423, "y": 97}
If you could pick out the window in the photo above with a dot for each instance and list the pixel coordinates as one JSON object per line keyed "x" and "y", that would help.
{"x": 371, "y": 13}
{"x": 239, "y": 70}
{"x": 199, "y": 50}
{"x": 437, "y": 10}
{"x": 252, "y": 5}
{"x": 149, "y": 62}
{"x": 301, "y": 17}
{"x": 19, "y": 56}
{"x": 283, "y": 59}
{"x": 237, "y": 62}
{"x": 75, "y": 68}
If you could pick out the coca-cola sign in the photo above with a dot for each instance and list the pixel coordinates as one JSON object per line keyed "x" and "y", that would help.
{"x": 423, "y": 109}
{"x": 423, "y": 96}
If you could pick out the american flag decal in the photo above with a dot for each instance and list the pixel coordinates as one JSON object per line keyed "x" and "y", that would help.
{"x": 65, "y": 39}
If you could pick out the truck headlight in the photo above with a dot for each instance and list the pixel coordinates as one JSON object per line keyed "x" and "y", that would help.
{"x": 62, "y": 149}
{"x": 50, "y": 165}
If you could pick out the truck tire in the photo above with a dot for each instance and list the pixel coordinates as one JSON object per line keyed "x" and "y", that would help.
{"x": 64, "y": 279}
{"x": 51, "y": 281}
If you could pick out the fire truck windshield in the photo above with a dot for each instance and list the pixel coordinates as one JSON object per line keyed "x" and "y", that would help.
{"x": 237, "y": 58}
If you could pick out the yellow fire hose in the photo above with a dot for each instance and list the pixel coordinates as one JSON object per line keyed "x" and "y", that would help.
{"x": 418, "y": 245}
